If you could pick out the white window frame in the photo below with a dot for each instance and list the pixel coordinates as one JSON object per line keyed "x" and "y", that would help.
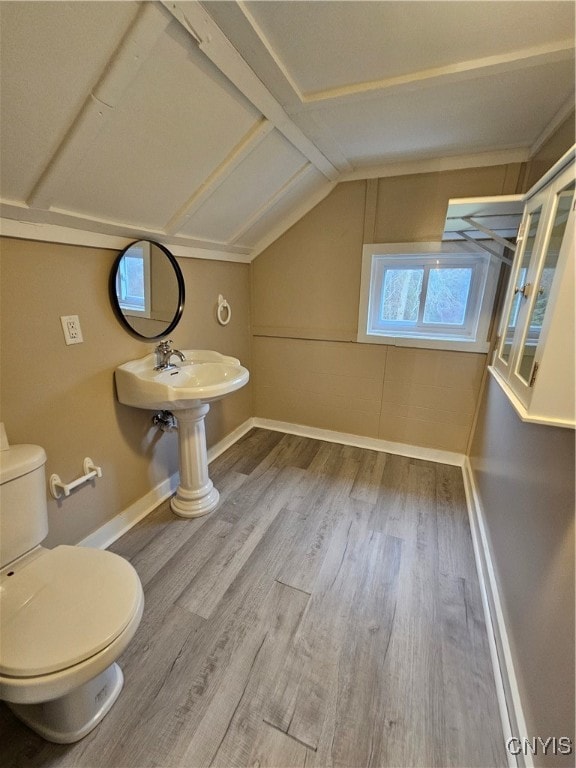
{"x": 472, "y": 336}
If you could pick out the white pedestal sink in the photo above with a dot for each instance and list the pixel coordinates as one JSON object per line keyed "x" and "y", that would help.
{"x": 187, "y": 390}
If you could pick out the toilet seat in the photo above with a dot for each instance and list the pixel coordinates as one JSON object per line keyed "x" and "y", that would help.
{"x": 62, "y": 608}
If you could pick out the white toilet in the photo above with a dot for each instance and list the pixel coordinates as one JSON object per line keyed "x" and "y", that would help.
{"x": 66, "y": 614}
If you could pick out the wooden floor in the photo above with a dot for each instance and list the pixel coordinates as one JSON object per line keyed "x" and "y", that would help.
{"x": 328, "y": 613}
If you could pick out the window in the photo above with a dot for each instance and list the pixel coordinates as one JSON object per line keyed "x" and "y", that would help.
{"x": 133, "y": 281}
{"x": 427, "y": 294}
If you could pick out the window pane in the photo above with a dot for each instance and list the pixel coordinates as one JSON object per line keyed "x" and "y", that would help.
{"x": 521, "y": 279}
{"x": 447, "y": 297}
{"x": 401, "y": 295}
{"x": 131, "y": 274}
{"x": 564, "y": 204}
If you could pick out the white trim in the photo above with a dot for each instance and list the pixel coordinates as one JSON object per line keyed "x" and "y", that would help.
{"x": 272, "y": 59}
{"x": 219, "y": 175}
{"x": 297, "y": 178}
{"x": 408, "y": 166}
{"x": 66, "y": 227}
{"x": 453, "y": 73}
{"x": 108, "y": 533}
{"x": 568, "y": 157}
{"x": 232, "y": 437}
{"x": 112, "y": 530}
{"x": 520, "y": 408}
{"x": 220, "y": 51}
{"x": 479, "y": 307}
{"x": 565, "y": 110}
{"x": 447, "y": 345}
{"x": 192, "y": 252}
{"x": 56, "y": 233}
{"x": 360, "y": 441}
{"x": 507, "y": 689}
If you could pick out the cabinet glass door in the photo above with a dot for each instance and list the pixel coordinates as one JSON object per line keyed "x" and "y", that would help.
{"x": 520, "y": 290}
{"x": 563, "y": 205}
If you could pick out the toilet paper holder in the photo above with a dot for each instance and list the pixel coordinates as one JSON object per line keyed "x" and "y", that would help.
{"x": 91, "y": 471}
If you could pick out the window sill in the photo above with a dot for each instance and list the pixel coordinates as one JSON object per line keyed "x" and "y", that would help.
{"x": 451, "y": 345}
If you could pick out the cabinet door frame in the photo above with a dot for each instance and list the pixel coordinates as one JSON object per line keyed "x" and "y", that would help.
{"x": 513, "y": 299}
{"x": 521, "y": 385}
{"x": 521, "y": 388}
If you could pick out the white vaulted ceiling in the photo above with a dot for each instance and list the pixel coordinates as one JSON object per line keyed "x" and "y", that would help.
{"x": 212, "y": 127}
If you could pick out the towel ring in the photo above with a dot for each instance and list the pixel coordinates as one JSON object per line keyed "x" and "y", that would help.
{"x": 224, "y": 312}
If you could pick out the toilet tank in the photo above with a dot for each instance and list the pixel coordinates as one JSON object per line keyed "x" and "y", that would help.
{"x": 23, "y": 510}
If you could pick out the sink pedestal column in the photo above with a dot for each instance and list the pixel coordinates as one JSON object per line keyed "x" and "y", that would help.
{"x": 196, "y": 494}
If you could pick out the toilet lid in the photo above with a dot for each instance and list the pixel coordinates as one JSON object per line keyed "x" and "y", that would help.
{"x": 63, "y": 607}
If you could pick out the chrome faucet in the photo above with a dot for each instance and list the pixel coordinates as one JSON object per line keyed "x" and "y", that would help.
{"x": 164, "y": 353}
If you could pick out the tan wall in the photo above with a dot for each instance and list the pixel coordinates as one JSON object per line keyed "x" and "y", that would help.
{"x": 307, "y": 283}
{"x": 305, "y": 295}
{"x": 414, "y": 207}
{"x": 62, "y": 397}
{"x": 525, "y": 478}
{"x": 403, "y": 395}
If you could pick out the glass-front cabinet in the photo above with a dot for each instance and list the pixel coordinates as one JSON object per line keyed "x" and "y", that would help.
{"x": 534, "y": 356}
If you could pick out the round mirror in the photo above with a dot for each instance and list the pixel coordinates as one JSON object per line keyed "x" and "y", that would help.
{"x": 147, "y": 290}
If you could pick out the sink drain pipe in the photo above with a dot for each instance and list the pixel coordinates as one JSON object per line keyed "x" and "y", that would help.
{"x": 165, "y": 420}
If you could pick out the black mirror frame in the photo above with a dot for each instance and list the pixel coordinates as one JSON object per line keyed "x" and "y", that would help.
{"x": 116, "y": 305}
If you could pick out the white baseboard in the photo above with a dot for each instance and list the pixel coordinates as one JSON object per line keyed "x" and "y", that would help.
{"x": 230, "y": 439}
{"x": 104, "y": 536}
{"x": 107, "y": 534}
{"x": 511, "y": 711}
{"x": 359, "y": 441}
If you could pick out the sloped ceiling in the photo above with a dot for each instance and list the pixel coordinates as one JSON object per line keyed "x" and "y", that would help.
{"x": 213, "y": 127}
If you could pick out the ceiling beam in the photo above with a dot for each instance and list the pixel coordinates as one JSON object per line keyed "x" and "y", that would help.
{"x": 62, "y": 226}
{"x": 538, "y": 55}
{"x": 292, "y": 182}
{"x": 238, "y": 154}
{"x": 216, "y": 47}
{"x": 239, "y": 25}
{"x": 408, "y": 166}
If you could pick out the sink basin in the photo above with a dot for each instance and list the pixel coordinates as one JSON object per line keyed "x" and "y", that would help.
{"x": 203, "y": 377}
{"x": 187, "y": 390}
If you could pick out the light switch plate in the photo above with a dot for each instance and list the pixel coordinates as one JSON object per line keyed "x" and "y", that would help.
{"x": 71, "y": 328}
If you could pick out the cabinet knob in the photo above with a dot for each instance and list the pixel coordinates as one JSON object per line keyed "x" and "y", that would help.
{"x": 524, "y": 290}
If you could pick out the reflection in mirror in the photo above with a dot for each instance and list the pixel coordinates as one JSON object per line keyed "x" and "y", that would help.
{"x": 147, "y": 290}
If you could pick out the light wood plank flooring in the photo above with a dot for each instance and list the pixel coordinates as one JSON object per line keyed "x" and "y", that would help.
{"x": 328, "y": 613}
